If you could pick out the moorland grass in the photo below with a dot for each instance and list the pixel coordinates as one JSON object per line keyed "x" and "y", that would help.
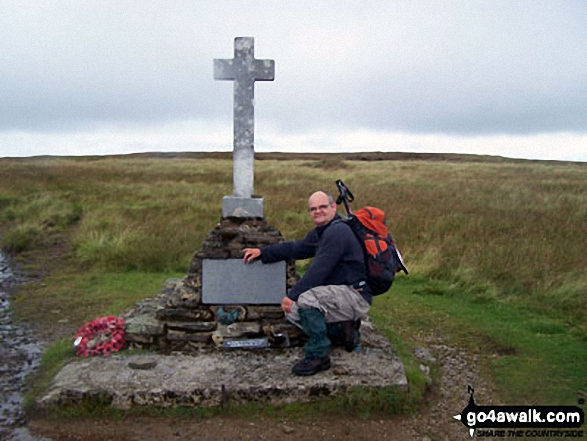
{"x": 79, "y": 296}
{"x": 497, "y": 245}
{"x": 532, "y": 358}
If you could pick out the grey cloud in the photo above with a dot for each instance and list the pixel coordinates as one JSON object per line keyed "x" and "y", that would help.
{"x": 460, "y": 67}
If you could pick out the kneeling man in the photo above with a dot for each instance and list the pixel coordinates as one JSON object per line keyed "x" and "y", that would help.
{"x": 333, "y": 289}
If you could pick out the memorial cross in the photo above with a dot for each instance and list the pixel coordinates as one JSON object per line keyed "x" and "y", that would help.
{"x": 244, "y": 70}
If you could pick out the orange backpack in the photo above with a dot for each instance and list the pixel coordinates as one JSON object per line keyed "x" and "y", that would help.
{"x": 382, "y": 258}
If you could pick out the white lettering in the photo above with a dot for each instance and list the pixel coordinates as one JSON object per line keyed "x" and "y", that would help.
{"x": 528, "y": 415}
{"x": 550, "y": 417}
{"x": 573, "y": 417}
{"x": 471, "y": 420}
{"x": 491, "y": 415}
{"x": 512, "y": 417}
{"x": 523, "y": 417}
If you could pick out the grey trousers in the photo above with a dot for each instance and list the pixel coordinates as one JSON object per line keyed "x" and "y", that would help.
{"x": 338, "y": 303}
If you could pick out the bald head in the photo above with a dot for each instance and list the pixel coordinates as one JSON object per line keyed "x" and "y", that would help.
{"x": 321, "y": 207}
{"x": 322, "y": 193}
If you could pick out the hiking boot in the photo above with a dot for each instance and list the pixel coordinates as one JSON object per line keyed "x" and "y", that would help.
{"x": 311, "y": 366}
{"x": 351, "y": 334}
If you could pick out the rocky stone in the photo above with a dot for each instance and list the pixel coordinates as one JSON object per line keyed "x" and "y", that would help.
{"x": 240, "y": 329}
{"x": 170, "y": 284}
{"x": 284, "y": 327}
{"x": 266, "y": 312}
{"x": 230, "y": 237}
{"x": 184, "y": 314}
{"x": 139, "y": 339}
{"x": 288, "y": 429}
{"x": 142, "y": 363}
{"x": 184, "y": 296}
{"x": 424, "y": 356}
{"x": 143, "y": 325}
{"x": 192, "y": 326}
{"x": 188, "y": 336}
{"x": 340, "y": 370}
{"x": 426, "y": 371}
{"x": 194, "y": 347}
{"x": 217, "y": 339}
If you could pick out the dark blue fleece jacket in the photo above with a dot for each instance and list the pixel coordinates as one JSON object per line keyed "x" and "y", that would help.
{"x": 338, "y": 258}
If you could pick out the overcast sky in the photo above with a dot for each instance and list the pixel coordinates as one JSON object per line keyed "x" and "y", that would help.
{"x": 494, "y": 77}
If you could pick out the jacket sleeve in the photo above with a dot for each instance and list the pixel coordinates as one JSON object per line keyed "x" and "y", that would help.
{"x": 327, "y": 258}
{"x": 297, "y": 250}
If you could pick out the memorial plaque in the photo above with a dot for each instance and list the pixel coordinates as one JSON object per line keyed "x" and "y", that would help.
{"x": 252, "y": 343}
{"x": 232, "y": 282}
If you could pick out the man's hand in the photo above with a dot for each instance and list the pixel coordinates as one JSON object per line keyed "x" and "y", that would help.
{"x": 286, "y": 304}
{"x": 251, "y": 254}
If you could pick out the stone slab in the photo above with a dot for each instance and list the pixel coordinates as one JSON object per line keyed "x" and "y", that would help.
{"x": 233, "y": 206}
{"x": 232, "y": 282}
{"x": 211, "y": 379}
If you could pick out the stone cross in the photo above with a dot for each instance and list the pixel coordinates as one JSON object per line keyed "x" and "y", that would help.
{"x": 244, "y": 70}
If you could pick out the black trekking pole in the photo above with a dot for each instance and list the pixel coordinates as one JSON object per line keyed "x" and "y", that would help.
{"x": 345, "y": 196}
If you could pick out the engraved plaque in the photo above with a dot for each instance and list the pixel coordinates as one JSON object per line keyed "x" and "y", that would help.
{"x": 232, "y": 282}
{"x": 252, "y": 343}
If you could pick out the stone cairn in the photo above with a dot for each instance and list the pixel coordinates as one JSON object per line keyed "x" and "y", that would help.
{"x": 177, "y": 321}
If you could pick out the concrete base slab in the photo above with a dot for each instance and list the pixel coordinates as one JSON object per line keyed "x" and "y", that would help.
{"x": 218, "y": 377}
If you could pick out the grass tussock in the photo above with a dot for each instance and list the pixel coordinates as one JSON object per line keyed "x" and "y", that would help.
{"x": 35, "y": 216}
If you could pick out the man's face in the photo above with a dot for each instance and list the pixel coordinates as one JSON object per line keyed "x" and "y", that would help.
{"x": 321, "y": 211}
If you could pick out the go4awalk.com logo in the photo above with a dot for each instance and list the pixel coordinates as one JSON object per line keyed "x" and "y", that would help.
{"x": 522, "y": 421}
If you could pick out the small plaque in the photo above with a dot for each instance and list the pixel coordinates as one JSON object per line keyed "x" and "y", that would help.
{"x": 233, "y": 282}
{"x": 252, "y": 343}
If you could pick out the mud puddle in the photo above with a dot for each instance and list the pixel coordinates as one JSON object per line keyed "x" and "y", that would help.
{"x": 19, "y": 356}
